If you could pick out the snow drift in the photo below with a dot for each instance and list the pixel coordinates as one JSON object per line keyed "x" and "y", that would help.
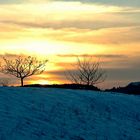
{"x": 60, "y": 114}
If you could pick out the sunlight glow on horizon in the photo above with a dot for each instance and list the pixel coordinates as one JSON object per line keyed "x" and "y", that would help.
{"x": 42, "y": 82}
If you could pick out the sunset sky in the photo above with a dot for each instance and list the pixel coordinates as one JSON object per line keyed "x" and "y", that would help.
{"x": 108, "y": 30}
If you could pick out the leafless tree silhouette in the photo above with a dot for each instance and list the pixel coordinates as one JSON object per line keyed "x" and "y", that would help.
{"x": 23, "y": 67}
{"x": 4, "y": 82}
{"x": 87, "y": 72}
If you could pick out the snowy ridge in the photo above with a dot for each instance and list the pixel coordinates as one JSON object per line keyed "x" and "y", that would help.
{"x": 135, "y": 84}
{"x": 60, "y": 114}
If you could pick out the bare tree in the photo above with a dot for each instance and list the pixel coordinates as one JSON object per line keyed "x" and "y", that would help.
{"x": 23, "y": 67}
{"x": 4, "y": 82}
{"x": 86, "y": 72}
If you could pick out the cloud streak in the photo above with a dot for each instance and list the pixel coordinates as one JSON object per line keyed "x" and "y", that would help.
{"x": 101, "y": 25}
{"x": 97, "y": 56}
{"x": 134, "y": 3}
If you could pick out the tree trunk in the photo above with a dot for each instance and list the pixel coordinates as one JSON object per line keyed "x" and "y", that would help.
{"x": 22, "y": 82}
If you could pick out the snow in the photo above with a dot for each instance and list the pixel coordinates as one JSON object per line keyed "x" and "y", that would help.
{"x": 60, "y": 114}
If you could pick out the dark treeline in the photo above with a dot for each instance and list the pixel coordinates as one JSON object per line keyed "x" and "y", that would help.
{"x": 66, "y": 86}
{"x": 132, "y": 88}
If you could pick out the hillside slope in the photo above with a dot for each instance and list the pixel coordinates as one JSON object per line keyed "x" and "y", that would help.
{"x": 132, "y": 88}
{"x": 60, "y": 114}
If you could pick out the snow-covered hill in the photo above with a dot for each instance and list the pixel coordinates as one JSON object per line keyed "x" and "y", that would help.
{"x": 60, "y": 114}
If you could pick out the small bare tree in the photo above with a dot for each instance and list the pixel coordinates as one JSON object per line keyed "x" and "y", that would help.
{"x": 87, "y": 72}
{"x": 4, "y": 82}
{"x": 23, "y": 67}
